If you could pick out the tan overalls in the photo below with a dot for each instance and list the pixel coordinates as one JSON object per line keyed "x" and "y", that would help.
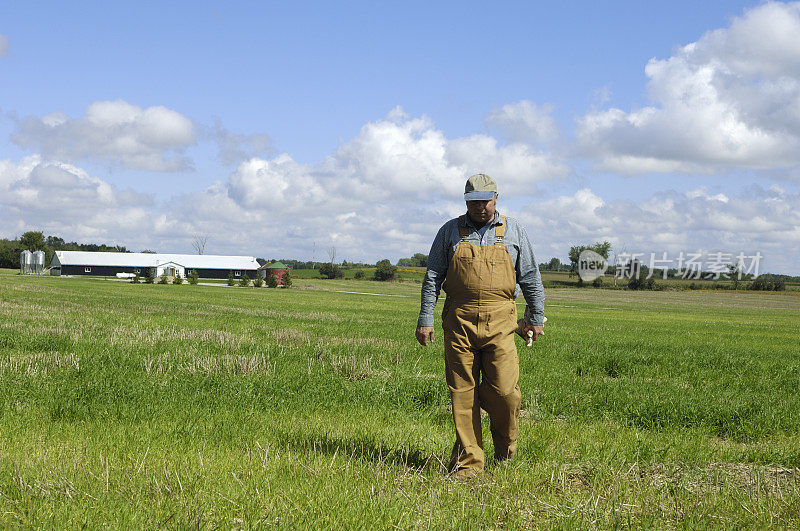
{"x": 481, "y": 364}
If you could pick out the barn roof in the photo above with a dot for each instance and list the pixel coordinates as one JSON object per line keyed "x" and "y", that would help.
{"x": 189, "y": 261}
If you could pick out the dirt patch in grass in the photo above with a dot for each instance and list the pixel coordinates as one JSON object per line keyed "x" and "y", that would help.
{"x": 715, "y": 476}
{"x": 39, "y": 364}
{"x": 292, "y": 335}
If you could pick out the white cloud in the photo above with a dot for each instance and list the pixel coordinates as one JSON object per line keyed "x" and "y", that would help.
{"x": 3, "y": 45}
{"x": 701, "y": 192}
{"x": 731, "y": 99}
{"x": 236, "y": 147}
{"x": 113, "y": 132}
{"x": 398, "y": 160}
{"x": 523, "y": 121}
{"x": 382, "y": 194}
{"x": 757, "y": 220}
{"x": 409, "y": 156}
{"x": 62, "y": 199}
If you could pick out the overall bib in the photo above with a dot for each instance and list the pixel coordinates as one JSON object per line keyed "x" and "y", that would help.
{"x": 481, "y": 364}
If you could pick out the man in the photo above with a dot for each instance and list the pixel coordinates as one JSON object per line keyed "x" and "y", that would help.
{"x": 479, "y": 258}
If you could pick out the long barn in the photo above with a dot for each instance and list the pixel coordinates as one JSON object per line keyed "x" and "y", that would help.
{"x": 109, "y": 264}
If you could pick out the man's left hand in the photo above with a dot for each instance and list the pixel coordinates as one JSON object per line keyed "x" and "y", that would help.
{"x": 537, "y": 331}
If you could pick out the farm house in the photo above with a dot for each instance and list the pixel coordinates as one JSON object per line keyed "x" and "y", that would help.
{"x": 279, "y": 269}
{"x": 110, "y": 264}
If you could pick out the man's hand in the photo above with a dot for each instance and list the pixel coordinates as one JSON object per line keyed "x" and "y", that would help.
{"x": 425, "y": 334}
{"x": 537, "y": 331}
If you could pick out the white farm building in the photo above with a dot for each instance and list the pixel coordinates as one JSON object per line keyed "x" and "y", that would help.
{"x": 109, "y": 264}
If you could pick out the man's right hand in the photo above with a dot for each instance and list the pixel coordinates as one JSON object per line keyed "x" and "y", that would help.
{"x": 424, "y": 334}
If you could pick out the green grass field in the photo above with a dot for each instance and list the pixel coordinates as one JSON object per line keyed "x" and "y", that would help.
{"x": 158, "y": 405}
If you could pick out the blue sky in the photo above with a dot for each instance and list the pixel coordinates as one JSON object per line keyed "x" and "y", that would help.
{"x": 356, "y": 123}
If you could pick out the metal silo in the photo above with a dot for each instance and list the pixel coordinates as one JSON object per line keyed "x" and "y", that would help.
{"x": 25, "y": 262}
{"x": 38, "y": 262}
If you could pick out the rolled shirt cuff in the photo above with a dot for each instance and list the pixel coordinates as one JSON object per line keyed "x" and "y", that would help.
{"x": 425, "y": 320}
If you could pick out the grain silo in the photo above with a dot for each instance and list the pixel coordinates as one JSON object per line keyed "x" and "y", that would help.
{"x": 38, "y": 263}
{"x": 25, "y": 262}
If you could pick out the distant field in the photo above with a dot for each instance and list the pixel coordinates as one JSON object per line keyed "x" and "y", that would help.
{"x": 564, "y": 279}
{"x": 403, "y": 273}
{"x": 558, "y": 279}
{"x": 158, "y": 405}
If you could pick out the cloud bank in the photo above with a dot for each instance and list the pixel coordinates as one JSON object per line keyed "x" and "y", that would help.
{"x": 299, "y": 210}
{"x": 757, "y": 219}
{"x": 384, "y": 192}
{"x": 729, "y": 100}
{"x": 113, "y": 132}
{"x": 60, "y": 198}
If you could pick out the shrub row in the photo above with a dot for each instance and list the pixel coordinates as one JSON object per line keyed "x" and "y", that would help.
{"x": 193, "y": 279}
{"x": 383, "y": 272}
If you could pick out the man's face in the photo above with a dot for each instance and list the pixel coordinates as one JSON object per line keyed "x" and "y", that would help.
{"x": 482, "y": 211}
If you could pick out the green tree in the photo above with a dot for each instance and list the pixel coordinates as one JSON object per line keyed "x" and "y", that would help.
{"x": 193, "y": 277}
{"x": 231, "y": 279}
{"x": 768, "y": 282}
{"x": 359, "y": 275}
{"x": 258, "y": 281}
{"x": 33, "y": 241}
{"x": 639, "y": 278}
{"x": 330, "y": 270}
{"x": 244, "y": 281}
{"x": 148, "y": 276}
{"x": 136, "y": 278}
{"x": 385, "y": 270}
{"x": 177, "y": 279}
{"x": 164, "y": 279}
{"x": 9, "y": 253}
{"x": 55, "y": 242}
{"x": 601, "y": 248}
{"x": 735, "y": 272}
{"x": 272, "y": 280}
{"x": 418, "y": 260}
{"x": 287, "y": 279}
{"x": 574, "y": 253}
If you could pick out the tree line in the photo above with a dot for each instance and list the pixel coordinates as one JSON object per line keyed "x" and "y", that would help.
{"x": 36, "y": 241}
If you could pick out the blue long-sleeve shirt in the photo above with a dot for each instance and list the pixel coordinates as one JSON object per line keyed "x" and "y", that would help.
{"x": 519, "y": 249}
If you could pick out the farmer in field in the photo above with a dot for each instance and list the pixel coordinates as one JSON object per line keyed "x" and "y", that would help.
{"x": 479, "y": 258}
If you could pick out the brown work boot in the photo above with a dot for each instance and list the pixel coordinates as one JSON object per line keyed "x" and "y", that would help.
{"x": 504, "y": 452}
{"x": 502, "y": 456}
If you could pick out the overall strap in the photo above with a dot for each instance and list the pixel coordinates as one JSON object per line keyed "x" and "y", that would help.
{"x": 500, "y": 230}
{"x": 463, "y": 228}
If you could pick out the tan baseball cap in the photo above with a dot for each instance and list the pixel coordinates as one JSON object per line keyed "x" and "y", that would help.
{"x": 480, "y": 187}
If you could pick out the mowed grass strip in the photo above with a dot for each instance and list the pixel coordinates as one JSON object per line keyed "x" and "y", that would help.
{"x": 125, "y": 404}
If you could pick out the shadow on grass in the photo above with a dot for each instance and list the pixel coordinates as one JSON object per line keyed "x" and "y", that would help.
{"x": 367, "y": 448}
